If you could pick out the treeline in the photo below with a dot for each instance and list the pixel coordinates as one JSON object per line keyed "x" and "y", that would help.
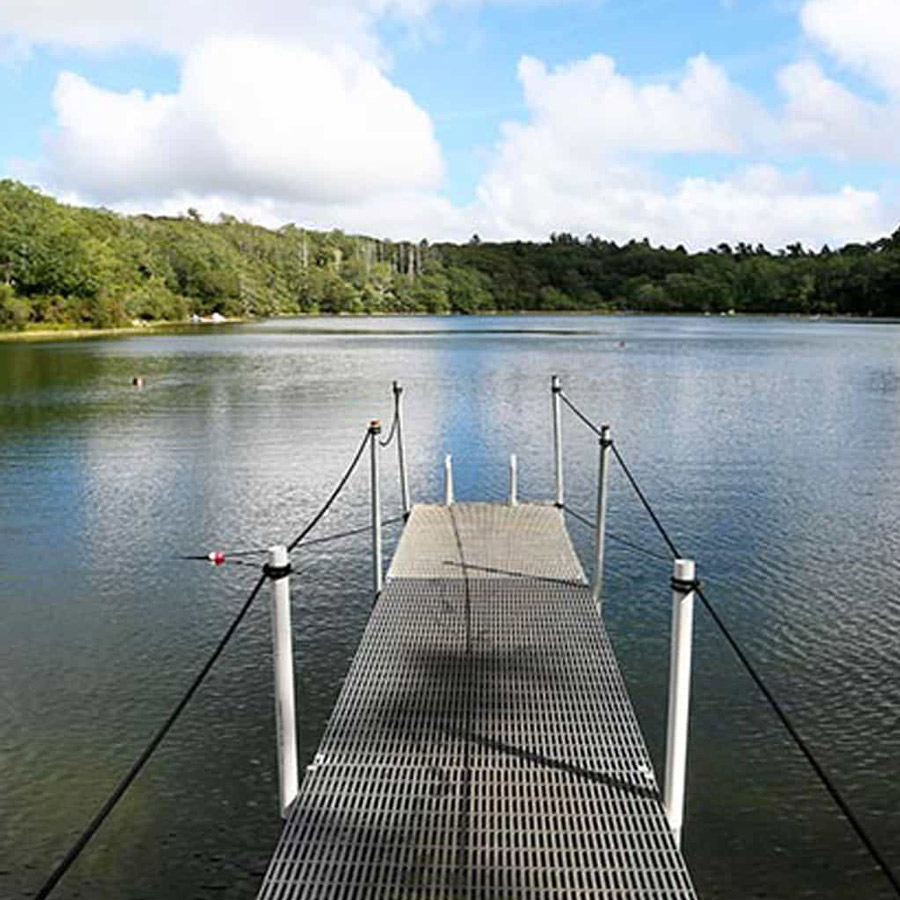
{"x": 93, "y": 267}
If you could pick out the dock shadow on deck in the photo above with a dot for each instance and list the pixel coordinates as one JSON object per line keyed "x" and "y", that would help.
{"x": 483, "y": 744}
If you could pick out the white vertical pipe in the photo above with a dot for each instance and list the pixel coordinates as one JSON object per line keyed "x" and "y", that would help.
{"x": 401, "y": 452}
{"x": 377, "y": 574}
{"x": 555, "y": 388}
{"x": 283, "y": 657}
{"x": 602, "y": 501}
{"x": 448, "y": 480}
{"x": 513, "y": 480}
{"x": 683, "y": 584}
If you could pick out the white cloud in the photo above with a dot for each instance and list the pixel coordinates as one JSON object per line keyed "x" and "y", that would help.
{"x": 587, "y": 104}
{"x": 176, "y": 26}
{"x": 252, "y": 118}
{"x": 861, "y": 34}
{"x": 572, "y": 166}
{"x": 284, "y": 112}
{"x": 753, "y": 205}
{"x": 822, "y": 116}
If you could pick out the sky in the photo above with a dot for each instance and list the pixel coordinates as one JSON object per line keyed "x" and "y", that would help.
{"x": 686, "y": 122}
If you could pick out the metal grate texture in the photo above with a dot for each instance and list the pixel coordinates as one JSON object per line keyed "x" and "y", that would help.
{"x": 499, "y": 541}
{"x": 483, "y": 746}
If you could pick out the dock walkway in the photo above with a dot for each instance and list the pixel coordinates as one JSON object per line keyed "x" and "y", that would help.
{"x": 483, "y": 745}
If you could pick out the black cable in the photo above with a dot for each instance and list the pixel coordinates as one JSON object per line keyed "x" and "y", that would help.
{"x": 579, "y": 413}
{"x": 627, "y": 472}
{"x": 334, "y": 494}
{"x": 230, "y": 555}
{"x": 583, "y": 519}
{"x": 823, "y": 776}
{"x": 322, "y": 540}
{"x": 139, "y": 763}
{"x": 126, "y": 782}
{"x": 387, "y": 441}
{"x": 802, "y": 746}
{"x": 346, "y": 534}
{"x": 646, "y": 503}
{"x": 614, "y": 537}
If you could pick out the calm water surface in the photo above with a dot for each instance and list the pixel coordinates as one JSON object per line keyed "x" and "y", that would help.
{"x": 769, "y": 447}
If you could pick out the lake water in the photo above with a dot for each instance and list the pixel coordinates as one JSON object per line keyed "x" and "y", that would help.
{"x": 769, "y": 448}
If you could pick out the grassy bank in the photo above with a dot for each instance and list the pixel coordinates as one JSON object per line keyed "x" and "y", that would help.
{"x": 35, "y": 333}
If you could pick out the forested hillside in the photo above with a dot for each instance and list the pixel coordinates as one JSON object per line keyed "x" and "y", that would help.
{"x": 96, "y": 268}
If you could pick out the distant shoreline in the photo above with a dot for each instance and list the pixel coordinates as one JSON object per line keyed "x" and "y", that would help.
{"x": 67, "y": 333}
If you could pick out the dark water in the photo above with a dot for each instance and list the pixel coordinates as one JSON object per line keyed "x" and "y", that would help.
{"x": 770, "y": 448}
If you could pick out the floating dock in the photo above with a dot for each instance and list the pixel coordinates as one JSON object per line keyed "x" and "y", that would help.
{"x": 483, "y": 745}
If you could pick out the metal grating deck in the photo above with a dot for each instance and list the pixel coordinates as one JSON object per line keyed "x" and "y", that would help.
{"x": 483, "y": 745}
{"x": 498, "y": 541}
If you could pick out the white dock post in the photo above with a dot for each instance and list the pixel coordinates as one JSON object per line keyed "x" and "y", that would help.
{"x": 513, "y": 480}
{"x": 602, "y": 500}
{"x": 377, "y": 573}
{"x": 555, "y": 388}
{"x": 283, "y": 657}
{"x": 448, "y": 480}
{"x": 401, "y": 452}
{"x": 683, "y": 586}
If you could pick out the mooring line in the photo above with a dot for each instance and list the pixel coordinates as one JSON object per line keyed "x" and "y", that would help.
{"x": 751, "y": 670}
{"x": 334, "y": 494}
{"x": 584, "y": 520}
{"x": 134, "y": 771}
{"x": 218, "y": 558}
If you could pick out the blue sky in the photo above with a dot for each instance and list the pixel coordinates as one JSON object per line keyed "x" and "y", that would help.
{"x": 685, "y": 121}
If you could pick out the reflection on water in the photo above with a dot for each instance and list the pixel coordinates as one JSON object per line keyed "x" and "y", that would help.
{"x": 769, "y": 447}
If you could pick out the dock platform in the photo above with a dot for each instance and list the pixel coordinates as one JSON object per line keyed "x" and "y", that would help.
{"x": 483, "y": 744}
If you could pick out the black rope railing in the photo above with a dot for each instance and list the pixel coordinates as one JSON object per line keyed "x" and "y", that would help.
{"x": 334, "y": 494}
{"x": 394, "y": 423}
{"x": 235, "y": 559}
{"x": 757, "y": 679}
{"x": 345, "y": 534}
{"x": 804, "y": 748}
{"x": 637, "y": 548}
{"x": 126, "y": 782}
{"x": 645, "y": 502}
{"x": 579, "y": 413}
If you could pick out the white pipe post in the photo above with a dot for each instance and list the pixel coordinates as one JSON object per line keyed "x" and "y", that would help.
{"x": 448, "y": 480}
{"x": 683, "y": 587}
{"x": 602, "y": 500}
{"x": 377, "y": 574}
{"x": 283, "y": 658}
{"x": 513, "y": 480}
{"x": 555, "y": 388}
{"x": 401, "y": 452}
